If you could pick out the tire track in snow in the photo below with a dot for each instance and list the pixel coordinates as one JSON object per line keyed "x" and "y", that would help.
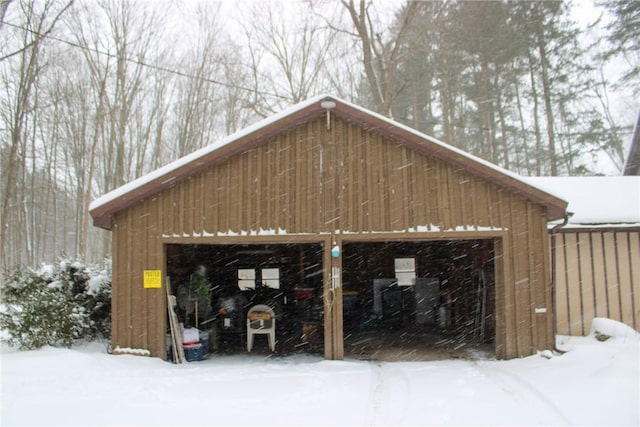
{"x": 388, "y": 395}
{"x": 490, "y": 373}
{"x": 375, "y": 394}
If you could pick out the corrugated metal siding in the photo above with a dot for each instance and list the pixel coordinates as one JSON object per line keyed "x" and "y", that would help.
{"x": 314, "y": 180}
{"x": 597, "y": 275}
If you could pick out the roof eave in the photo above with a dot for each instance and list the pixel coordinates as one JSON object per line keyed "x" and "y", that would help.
{"x": 103, "y": 213}
{"x": 103, "y": 221}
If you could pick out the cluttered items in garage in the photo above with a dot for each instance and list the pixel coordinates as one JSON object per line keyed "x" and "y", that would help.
{"x": 411, "y": 300}
{"x": 264, "y": 299}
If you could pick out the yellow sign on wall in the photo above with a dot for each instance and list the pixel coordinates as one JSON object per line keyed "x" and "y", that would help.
{"x": 153, "y": 279}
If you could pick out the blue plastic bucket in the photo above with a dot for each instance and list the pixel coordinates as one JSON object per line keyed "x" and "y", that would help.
{"x": 193, "y": 352}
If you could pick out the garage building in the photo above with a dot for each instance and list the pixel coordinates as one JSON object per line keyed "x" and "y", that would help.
{"x": 596, "y": 255}
{"x": 359, "y": 231}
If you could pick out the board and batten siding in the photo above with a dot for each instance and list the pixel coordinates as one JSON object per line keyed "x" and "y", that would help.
{"x": 345, "y": 181}
{"x": 597, "y": 274}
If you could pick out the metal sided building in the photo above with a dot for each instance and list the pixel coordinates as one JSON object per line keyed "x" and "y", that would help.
{"x": 596, "y": 255}
{"x": 346, "y": 207}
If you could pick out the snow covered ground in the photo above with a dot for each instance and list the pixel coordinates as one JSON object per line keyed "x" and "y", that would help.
{"x": 594, "y": 383}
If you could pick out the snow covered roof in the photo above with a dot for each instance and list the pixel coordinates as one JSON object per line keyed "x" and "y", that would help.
{"x": 103, "y": 208}
{"x": 597, "y": 200}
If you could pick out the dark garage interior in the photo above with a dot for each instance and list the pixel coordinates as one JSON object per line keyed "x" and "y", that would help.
{"x": 418, "y": 300}
{"x": 401, "y": 300}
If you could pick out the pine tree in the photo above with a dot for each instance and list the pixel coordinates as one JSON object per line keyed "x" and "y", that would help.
{"x": 624, "y": 37}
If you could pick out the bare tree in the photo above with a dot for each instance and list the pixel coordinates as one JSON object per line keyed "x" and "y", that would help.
{"x": 118, "y": 40}
{"x": 21, "y": 68}
{"x": 288, "y": 49}
{"x": 381, "y": 54}
{"x": 123, "y": 99}
{"x": 196, "y": 105}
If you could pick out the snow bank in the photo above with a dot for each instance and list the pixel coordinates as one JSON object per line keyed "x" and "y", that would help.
{"x": 611, "y": 328}
{"x": 134, "y": 351}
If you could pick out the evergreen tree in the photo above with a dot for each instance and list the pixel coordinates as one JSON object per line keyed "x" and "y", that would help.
{"x": 55, "y": 305}
{"x": 624, "y": 37}
{"x": 507, "y": 81}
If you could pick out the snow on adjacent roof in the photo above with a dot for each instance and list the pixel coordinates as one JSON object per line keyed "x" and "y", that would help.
{"x": 596, "y": 199}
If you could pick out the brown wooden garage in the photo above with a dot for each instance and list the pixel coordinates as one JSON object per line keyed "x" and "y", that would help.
{"x": 331, "y": 175}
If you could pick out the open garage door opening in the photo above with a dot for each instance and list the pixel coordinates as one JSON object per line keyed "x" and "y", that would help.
{"x": 419, "y": 300}
{"x": 218, "y": 287}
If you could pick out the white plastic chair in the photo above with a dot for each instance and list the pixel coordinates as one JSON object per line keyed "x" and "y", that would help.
{"x": 261, "y": 319}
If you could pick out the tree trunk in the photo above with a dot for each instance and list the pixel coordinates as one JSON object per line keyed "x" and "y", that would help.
{"x": 380, "y": 59}
{"x": 546, "y": 87}
{"x": 536, "y": 121}
{"x": 523, "y": 131}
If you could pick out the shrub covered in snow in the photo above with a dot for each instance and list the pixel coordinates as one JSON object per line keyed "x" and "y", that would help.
{"x": 55, "y": 305}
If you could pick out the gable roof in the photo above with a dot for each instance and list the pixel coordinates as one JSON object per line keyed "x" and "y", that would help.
{"x": 103, "y": 208}
{"x": 597, "y": 200}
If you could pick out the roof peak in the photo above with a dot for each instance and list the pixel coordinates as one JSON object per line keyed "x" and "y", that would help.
{"x": 105, "y": 206}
